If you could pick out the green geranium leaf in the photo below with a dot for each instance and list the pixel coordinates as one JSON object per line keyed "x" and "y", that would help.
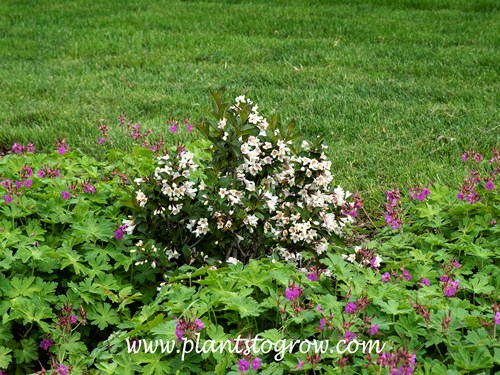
{"x": 102, "y": 315}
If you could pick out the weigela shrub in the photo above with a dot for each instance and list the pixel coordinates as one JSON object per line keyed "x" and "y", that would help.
{"x": 257, "y": 191}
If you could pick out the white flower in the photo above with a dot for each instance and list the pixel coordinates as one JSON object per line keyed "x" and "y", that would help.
{"x": 172, "y": 254}
{"x": 130, "y": 225}
{"x": 240, "y": 99}
{"x": 159, "y": 211}
{"x": 223, "y": 192}
{"x": 377, "y": 261}
{"x": 249, "y": 185}
{"x": 191, "y": 224}
{"x": 251, "y": 220}
{"x": 232, "y": 260}
{"x": 271, "y": 201}
{"x": 141, "y": 198}
{"x": 321, "y": 247}
{"x": 222, "y": 123}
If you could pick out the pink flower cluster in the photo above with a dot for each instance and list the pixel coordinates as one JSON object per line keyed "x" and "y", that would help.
{"x": 16, "y": 187}
{"x": 394, "y": 211}
{"x": 400, "y": 362}
{"x": 105, "y": 134}
{"x": 187, "y": 327}
{"x": 244, "y": 365}
{"x": 419, "y": 193}
{"x": 19, "y": 149}
{"x": 67, "y": 318}
{"x": 293, "y": 292}
{"x": 449, "y": 283}
{"x": 62, "y": 146}
{"x": 468, "y": 191}
{"x": 404, "y": 274}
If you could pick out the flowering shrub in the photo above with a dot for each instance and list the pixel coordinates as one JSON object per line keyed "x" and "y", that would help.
{"x": 258, "y": 191}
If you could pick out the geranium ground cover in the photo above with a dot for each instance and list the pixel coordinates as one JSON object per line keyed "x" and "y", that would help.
{"x": 234, "y": 252}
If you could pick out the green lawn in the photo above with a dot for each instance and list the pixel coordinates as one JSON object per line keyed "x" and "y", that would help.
{"x": 398, "y": 88}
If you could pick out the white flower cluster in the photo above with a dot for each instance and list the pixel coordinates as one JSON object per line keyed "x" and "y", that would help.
{"x": 141, "y": 198}
{"x": 173, "y": 178}
{"x": 152, "y": 253}
{"x": 201, "y": 226}
{"x": 288, "y": 256}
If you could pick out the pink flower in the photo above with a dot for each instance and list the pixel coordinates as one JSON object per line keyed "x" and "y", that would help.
{"x": 26, "y": 172}
{"x": 451, "y": 288}
{"x": 100, "y": 140}
{"x": 74, "y": 319}
{"x": 421, "y": 196}
{"x": 63, "y": 370}
{"x": 350, "y": 308}
{"x": 313, "y": 276}
{"x": 45, "y": 344}
{"x": 173, "y": 129}
{"x": 460, "y": 196}
{"x": 490, "y": 185}
{"x": 293, "y": 292}
{"x": 426, "y": 282}
{"x": 179, "y": 332}
{"x": 497, "y": 318}
{"x": 190, "y": 128}
{"x": 406, "y": 275}
{"x": 136, "y": 132}
{"x": 243, "y": 365}
{"x": 41, "y": 173}
{"x": 61, "y": 150}
{"x": 199, "y": 324}
{"x": 349, "y": 336}
{"x": 7, "y": 198}
{"x": 300, "y": 364}
{"x": 65, "y": 195}
{"x": 386, "y": 277}
{"x": 256, "y": 363}
{"x": 322, "y": 324}
{"x": 87, "y": 188}
{"x": 374, "y": 329}
{"x": 120, "y": 232}
{"x": 30, "y": 148}
{"x": 28, "y": 183}
{"x": 17, "y": 148}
